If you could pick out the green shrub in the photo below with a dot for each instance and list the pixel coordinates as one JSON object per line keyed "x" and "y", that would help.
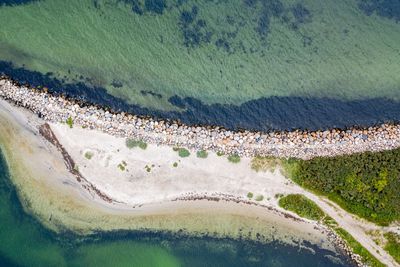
{"x": 259, "y": 198}
{"x": 88, "y": 155}
{"x": 121, "y": 167}
{"x": 202, "y": 154}
{"x": 302, "y": 206}
{"x": 131, "y": 143}
{"x": 393, "y": 245}
{"x": 183, "y": 152}
{"x": 366, "y": 184}
{"x": 250, "y": 195}
{"x": 175, "y": 164}
{"x": 220, "y": 153}
{"x": 70, "y": 122}
{"x": 234, "y": 158}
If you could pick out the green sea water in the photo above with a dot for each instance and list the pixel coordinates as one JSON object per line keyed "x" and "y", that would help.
{"x": 215, "y": 51}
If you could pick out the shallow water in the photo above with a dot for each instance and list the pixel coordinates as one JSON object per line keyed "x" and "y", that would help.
{"x": 275, "y": 64}
{"x": 27, "y": 243}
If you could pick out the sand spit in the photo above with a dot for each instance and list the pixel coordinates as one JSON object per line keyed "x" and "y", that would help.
{"x": 299, "y": 144}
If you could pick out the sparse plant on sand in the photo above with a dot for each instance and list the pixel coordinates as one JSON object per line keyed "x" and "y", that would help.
{"x": 250, "y": 195}
{"x": 70, "y": 122}
{"x": 259, "y": 198}
{"x": 202, "y": 154}
{"x": 235, "y": 158}
{"x": 183, "y": 153}
{"x": 131, "y": 143}
{"x": 89, "y": 155}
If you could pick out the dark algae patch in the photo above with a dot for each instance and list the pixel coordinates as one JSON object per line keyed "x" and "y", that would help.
{"x": 15, "y": 2}
{"x": 384, "y": 8}
{"x": 365, "y": 184}
{"x": 29, "y": 244}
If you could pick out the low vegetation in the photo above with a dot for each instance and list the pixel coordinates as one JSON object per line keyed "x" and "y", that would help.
{"x": 131, "y": 143}
{"x": 259, "y": 198}
{"x": 250, "y": 195}
{"x": 70, "y": 122}
{"x": 393, "y": 245}
{"x": 122, "y": 166}
{"x": 366, "y": 184}
{"x": 175, "y": 164}
{"x": 234, "y": 158}
{"x": 202, "y": 154}
{"x": 260, "y": 163}
{"x": 302, "y": 206}
{"x": 367, "y": 258}
{"x": 183, "y": 153}
{"x": 220, "y": 153}
{"x": 89, "y": 155}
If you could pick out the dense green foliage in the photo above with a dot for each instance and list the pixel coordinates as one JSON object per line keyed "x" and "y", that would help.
{"x": 302, "y": 206}
{"x": 202, "y": 154}
{"x": 393, "y": 245}
{"x": 367, "y": 258}
{"x": 183, "y": 152}
{"x": 131, "y": 143}
{"x": 234, "y": 158}
{"x": 366, "y": 184}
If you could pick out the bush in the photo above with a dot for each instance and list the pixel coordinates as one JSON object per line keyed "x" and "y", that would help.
{"x": 259, "y": 198}
{"x": 202, "y": 154}
{"x": 234, "y": 158}
{"x": 175, "y": 164}
{"x": 302, "y": 206}
{"x": 88, "y": 155}
{"x": 183, "y": 153}
{"x": 220, "y": 153}
{"x": 366, "y": 184}
{"x": 70, "y": 122}
{"x": 250, "y": 195}
{"x": 131, "y": 143}
{"x": 393, "y": 245}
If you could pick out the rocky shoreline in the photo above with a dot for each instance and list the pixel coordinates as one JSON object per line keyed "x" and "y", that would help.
{"x": 297, "y": 144}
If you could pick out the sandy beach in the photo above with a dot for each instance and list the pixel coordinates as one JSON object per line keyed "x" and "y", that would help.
{"x": 52, "y": 194}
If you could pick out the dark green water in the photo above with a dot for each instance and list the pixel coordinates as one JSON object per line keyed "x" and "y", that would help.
{"x": 24, "y": 242}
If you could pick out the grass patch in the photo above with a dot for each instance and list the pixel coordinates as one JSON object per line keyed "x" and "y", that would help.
{"x": 70, "y": 122}
{"x": 183, "y": 153}
{"x": 235, "y": 158}
{"x": 259, "y": 198}
{"x": 131, "y": 143}
{"x": 220, "y": 153}
{"x": 357, "y": 248}
{"x": 302, "y": 206}
{"x": 393, "y": 245}
{"x": 260, "y": 163}
{"x": 365, "y": 184}
{"x": 202, "y": 154}
{"x": 89, "y": 155}
{"x": 250, "y": 195}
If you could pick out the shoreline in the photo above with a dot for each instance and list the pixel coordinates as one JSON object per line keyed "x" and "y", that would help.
{"x": 297, "y": 144}
{"x": 52, "y": 194}
{"x": 114, "y": 198}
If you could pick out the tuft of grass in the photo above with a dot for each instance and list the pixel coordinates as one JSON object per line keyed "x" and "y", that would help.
{"x": 202, "y": 154}
{"x": 175, "y": 148}
{"x": 121, "y": 167}
{"x": 183, "y": 153}
{"x": 260, "y": 163}
{"x": 89, "y": 155}
{"x": 175, "y": 164}
{"x": 70, "y": 122}
{"x": 302, "y": 206}
{"x": 148, "y": 168}
{"x": 220, "y": 153}
{"x": 393, "y": 245}
{"x": 259, "y": 198}
{"x": 235, "y": 158}
{"x": 250, "y": 195}
{"x": 131, "y": 143}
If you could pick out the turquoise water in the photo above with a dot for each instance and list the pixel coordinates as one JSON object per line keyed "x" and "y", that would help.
{"x": 24, "y": 242}
{"x": 260, "y": 64}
